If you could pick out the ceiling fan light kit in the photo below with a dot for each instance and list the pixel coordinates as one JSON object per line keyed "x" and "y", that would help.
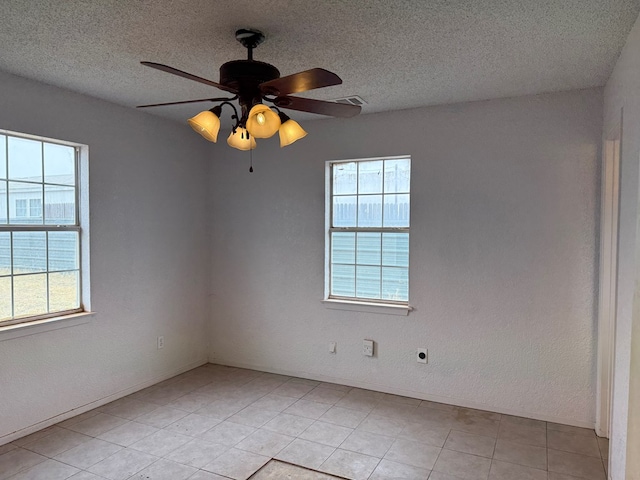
{"x": 253, "y": 82}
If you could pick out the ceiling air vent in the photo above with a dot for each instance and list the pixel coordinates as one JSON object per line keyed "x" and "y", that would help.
{"x": 352, "y": 100}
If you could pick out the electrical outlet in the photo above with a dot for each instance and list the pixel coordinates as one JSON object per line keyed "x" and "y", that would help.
{"x": 160, "y": 342}
{"x": 422, "y": 355}
{"x": 332, "y": 347}
{"x": 367, "y": 348}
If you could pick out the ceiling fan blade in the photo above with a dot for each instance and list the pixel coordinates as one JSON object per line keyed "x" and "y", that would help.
{"x": 180, "y": 73}
{"x": 301, "y": 82}
{"x": 321, "y": 107}
{"x": 184, "y": 101}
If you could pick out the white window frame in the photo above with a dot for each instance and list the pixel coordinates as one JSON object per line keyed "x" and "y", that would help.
{"x": 357, "y": 304}
{"x": 50, "y": 321}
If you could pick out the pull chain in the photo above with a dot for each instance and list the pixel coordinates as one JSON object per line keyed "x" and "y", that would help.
{"x": 251, "y": 160}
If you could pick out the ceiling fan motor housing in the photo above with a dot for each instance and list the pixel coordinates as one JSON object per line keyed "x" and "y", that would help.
{"x": 245, "y": 76}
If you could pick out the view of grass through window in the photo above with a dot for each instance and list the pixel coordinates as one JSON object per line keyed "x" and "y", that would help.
{"x": 39, "y": 228}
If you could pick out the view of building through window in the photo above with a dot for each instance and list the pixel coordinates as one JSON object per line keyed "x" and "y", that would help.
{"x": 39, "y": 228}
{"x": 369, "y": 229}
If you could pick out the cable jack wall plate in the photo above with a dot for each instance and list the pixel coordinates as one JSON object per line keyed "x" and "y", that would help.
{"x": 422, "y": 355}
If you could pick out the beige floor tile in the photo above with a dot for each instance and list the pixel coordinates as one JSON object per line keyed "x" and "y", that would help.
{"x": 160, "y": 443}
{"x": 197, "y": 453}
{"x": 522, "y": 434}
{"x": 463, "y": 465}
{"x": 345, "y": 417}
{"x": 574, "y": 443}
{"x": 307, "y": 408}
{"x": 527, "y": 455}
{"x": 128, "y": 408}
{"x": 292, "y": 425}
{"x": 6, "y": 447}
{"x": 390, "y": 397}
{"x": 57, "y": 442}
{"x": 603, "y": 444}
{"x": 510, "y": 471}
{"x": 368, "y": 443}
{"x": 305, "y": 453}
{"x": 395, "y": 410}
{"x": 355, "y": 402}
{"x": 202, "y": 475}
{"x": 40, "y": 433}
{"x": 265, "y": 442}
{"x": 528, "y": 422}
{"x": 388, "y": 470}
{"x": 122, "y": 464}
{"x": 274, "y": 403}
{"x": 335, "y": 386}
{"x": 350, "y": 464}
{"x": 570, "y": 429}
{"x": 326, "y": 433}
{"x": 88, "y": 453}
{"x": 192, "y": 425}
{"x": 276, "y": 470}
{"x": 16, "y": 460}
{"x": 476, "y": 425}
{"x": 97, "y": 424}
{"x": 561, "y": 476}
{"x": 253, "y": 417}
{"x": 305, "y": 381}
{"x": 577, "y": 465}
{"x": 47, "y": 470}
{"x": 382, "y": 425}
{"x": 236, "y": 464}
{"x": 161, "y": 417}
{"x": 85, "y": 476}
{"x": 437, "y": 405}
{"x": 413, "y": 453}
{"x": 464, "y": 412}
{"x": 78, "y": 418}
{"x": 165, "y": 470}
{"x": 191, "y": 402}
{"x": 325, "y": 395}
{"x": 223, "y": 409}
{"x": 444, "y": 476}
{"x": 434, "y": 435}
{"x": 227, "y": 433}
{"x": 469, "y": 443}
{"x": 294, "y": 390}
{"x": 128, "y": 433}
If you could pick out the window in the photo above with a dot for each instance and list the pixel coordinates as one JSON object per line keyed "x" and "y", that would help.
{"x": 40, "y": 237}
{"x": 368, "y": 230}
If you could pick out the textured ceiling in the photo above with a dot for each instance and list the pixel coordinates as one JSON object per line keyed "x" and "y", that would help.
{"x": 394, "y": 54}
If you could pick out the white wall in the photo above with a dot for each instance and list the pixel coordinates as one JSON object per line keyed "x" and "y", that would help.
{"x": 503, "y": 279}
{"x": 623, "y": 91}
{"x": 149, "y": 251}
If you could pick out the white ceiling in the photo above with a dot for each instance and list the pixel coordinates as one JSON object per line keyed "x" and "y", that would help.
{"x": 395, "y": 54}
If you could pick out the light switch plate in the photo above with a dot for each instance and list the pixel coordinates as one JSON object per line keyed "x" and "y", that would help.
{"x": 367, "y": 348}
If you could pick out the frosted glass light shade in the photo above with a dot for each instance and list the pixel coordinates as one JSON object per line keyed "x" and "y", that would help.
{"x": 206, "y": 124}
{"x": 262, "y": 122}
{"x": 240, "y": 141}
{"x": 290, "y": 131}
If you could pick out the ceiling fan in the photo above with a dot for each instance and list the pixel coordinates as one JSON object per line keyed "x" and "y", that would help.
{"x": 252, "y": 83}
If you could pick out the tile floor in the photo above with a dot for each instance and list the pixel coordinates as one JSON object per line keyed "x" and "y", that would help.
{"x": 216, "y": 422}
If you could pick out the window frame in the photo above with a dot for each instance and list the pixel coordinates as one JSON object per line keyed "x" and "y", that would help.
{"x": 373, "y": 305}
{"x": 81, "y": 226}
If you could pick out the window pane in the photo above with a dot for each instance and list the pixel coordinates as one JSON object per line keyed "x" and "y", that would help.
{"x": 59, "y": 164}
{"x": 63, "y": 291}
{"x": 395, "y": 283}
{"x": 35, "y": 207}
{"x": 343, "y": 280}
{"x": 29, "y": 252}
{"x": 3, "y": 156}
{"x": 367, "y": 282}
{"x": 5, "y": 253}
{"x": 343, "y": 247}
{"x": 5, "y": 298}
{"x": 63, "y": 251}
{"x": 370, "y": 210}
{"x": 396, "y": 210}
{"x": 370, "y": 177}
{"x": 344, "y": 211}
{"x": 395, "y": 249}
{"x": 25, "y": 159}
{"x": 3, "y": 202}
{"x": 20, "y": 196}
{"x": 397, "y": 176}
{"x": 60, "y": 205}
{"x": 368, "y": 249}
{"x": 345, "y": 177}
{"x": 30, "y": 294}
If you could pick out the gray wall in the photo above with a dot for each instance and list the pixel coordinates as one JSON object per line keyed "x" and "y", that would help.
{"x": 504, "y": 229}
{"x": 149, "y": 255}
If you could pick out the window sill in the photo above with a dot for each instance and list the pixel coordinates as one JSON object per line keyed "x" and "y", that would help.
{"x": 367, "y": 307}
{"x": 39, "y": 326}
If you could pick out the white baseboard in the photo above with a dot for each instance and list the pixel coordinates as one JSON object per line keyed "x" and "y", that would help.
{"x": 97, "y": 403}
{"x": 408, "y": 393}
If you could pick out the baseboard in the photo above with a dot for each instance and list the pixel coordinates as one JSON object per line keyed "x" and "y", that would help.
{"x": 97, "y": 403}
{"x": 408, "y": 393}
